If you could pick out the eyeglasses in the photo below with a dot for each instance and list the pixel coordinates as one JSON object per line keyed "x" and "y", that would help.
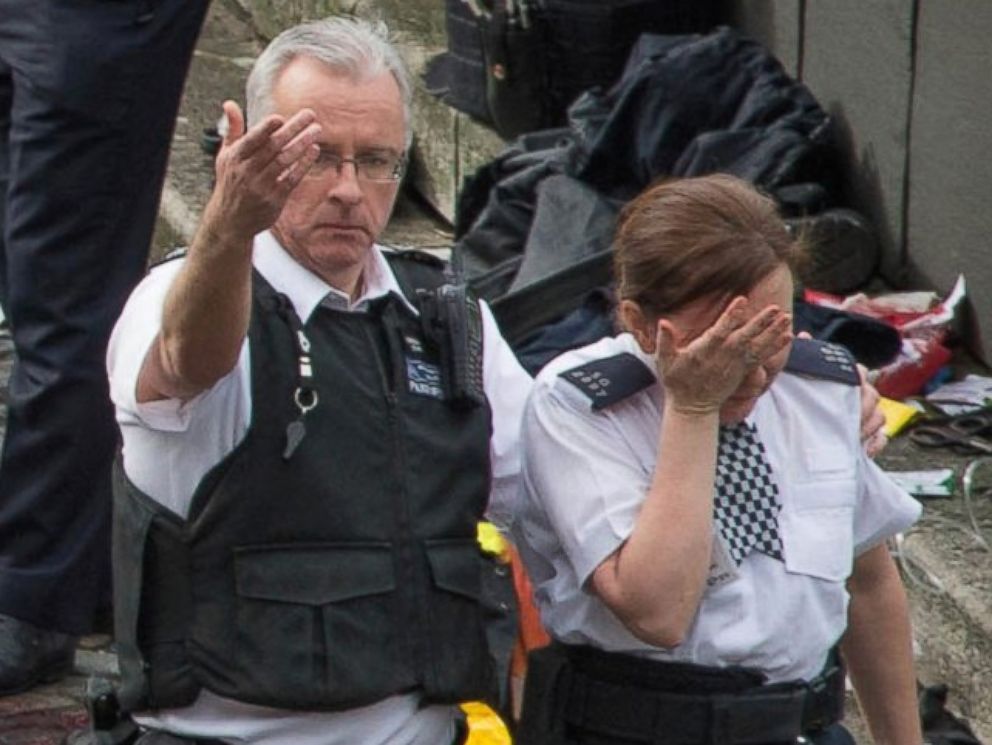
{"x": 378, "y": 166}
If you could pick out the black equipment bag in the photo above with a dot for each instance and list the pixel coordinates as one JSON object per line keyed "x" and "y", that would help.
{"x": 515, "y": 71}
{"x": 516, "y": 65}
{"x": 494, "y": 67}
{"x": 589, "y": 40}
{"x": 534, "y": 226}
{"x": 458, "y": 76}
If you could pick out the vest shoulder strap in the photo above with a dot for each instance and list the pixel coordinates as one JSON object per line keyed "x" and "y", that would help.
{"x": 611, "y": 379}
{"x": 417, "y": 270}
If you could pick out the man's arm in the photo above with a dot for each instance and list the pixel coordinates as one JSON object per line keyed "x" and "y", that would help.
{"x": 877, "y": 649}
{"x": 207, "y": 309}
{"x": 872, "y": 418}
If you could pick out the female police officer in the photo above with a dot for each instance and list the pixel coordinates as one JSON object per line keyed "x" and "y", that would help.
{"x": 705, "y": 534}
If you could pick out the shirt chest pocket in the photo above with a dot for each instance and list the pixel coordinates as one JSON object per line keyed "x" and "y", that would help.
{"x": 816, "y": 522}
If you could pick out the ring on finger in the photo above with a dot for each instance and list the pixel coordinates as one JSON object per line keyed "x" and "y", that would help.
{"x": 750, "y": 358}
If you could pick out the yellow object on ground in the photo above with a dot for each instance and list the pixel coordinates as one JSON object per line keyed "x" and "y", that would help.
{"x": 484, "y": 726}
{"x": 897, "y": 415}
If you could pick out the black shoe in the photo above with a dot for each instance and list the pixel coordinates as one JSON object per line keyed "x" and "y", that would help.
{"x": 30, "y": 656}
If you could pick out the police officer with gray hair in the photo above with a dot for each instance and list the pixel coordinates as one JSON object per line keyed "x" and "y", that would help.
{"x": 313, "y": 426}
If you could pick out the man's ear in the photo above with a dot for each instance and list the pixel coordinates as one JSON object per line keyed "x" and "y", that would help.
{"x": 640, "y": 324}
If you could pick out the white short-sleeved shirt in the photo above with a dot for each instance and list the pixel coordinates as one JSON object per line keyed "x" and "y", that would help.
{"x": 168, "y": 446}
{"x": 585, "y": 476}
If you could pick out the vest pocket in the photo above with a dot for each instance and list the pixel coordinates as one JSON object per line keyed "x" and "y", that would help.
{"x": 314, "y": 623}
{"x": 462, "y": 667}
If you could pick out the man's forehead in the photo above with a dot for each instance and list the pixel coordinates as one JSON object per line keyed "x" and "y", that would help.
{"x": 341, "y": 100}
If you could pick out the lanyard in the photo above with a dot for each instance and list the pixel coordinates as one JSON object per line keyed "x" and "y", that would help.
{"x": 305, "y": 395}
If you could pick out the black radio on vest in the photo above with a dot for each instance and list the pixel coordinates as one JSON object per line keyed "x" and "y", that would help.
{"x": 453, "y": 321}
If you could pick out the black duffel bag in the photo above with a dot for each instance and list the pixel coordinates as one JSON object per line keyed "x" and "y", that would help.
{"x": 516, "y": 65}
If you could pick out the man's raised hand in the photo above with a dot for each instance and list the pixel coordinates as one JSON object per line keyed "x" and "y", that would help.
{"x": 257, "y": 169}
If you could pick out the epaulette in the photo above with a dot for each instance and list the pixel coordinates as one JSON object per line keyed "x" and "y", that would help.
{"x": 416, "y": 270}
{"x": 176, "y": 253}
{"x": 820, "y": 359}
{"x": 611, "y": 379}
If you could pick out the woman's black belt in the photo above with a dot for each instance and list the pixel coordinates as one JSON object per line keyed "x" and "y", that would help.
{"x": 598, "y": 700}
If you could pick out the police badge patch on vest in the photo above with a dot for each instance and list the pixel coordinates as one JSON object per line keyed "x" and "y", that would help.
{"x": 423, "y": 376}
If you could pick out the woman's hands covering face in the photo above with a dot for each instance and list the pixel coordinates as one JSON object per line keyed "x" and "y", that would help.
{"x": 700, "y": 372}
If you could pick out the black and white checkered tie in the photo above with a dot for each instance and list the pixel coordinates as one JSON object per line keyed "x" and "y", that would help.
{"x": 747, "y": 503}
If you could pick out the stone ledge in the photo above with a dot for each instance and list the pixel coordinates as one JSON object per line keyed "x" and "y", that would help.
{"x": 951, "y": 621}
{"x": 948, "y": 574}
{"x": 43, "y": 716}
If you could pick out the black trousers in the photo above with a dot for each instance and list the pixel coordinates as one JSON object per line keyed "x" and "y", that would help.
{"x": 88, "y": 96}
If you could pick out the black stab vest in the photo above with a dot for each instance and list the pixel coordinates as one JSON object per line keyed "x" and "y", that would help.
{"x": 335, "y": 578}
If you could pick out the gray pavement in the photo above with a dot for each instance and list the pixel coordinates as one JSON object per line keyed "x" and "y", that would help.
{"x": 949, "y": 566}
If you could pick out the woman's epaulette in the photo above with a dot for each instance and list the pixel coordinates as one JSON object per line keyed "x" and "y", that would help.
{"x": 610, "y": 379}
{"x": 820, "y": 359}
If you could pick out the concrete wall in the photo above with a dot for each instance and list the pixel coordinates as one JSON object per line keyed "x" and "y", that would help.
{"x": 775, "y": 23}
{"x": 949, "y": 215}
{"x": 857, "y": 61}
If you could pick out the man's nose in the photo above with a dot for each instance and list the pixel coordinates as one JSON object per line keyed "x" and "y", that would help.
{"x": 345, "y": 186}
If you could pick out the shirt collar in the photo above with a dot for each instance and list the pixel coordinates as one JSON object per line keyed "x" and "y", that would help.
{"x": 306, "y": 290}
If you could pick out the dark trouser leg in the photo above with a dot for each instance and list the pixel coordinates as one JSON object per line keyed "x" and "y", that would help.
{"x": 6, "y": 102}
{"x": 95, "y": 86}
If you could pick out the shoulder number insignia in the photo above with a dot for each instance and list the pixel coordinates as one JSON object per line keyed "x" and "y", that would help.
{"x": 820, "y": 359}
{"x": 610, "y": 380}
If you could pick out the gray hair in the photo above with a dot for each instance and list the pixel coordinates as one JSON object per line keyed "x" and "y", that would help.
{"x": 352, "y": 47}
